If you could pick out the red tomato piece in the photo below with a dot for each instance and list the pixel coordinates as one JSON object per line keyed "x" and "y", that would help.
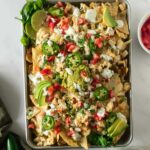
{"x": 97, "y": 117}
{"x": 99, "y": 42}
{"x": 57, "y": 130}
{"x": 95, "y": 81}
{"x": 83, "y": 73}
{"x": 57, "y": 86}
{"x": 111, "y": 94}
{"x": 81, "y": 21}
{"x": 70, "y": 46}
{"x": 70, "y": 133}
{"x": 68, "y": 121}
{"x": 51, "y": 58}
{"x": 45, "y": 71}
{"x": 31, "y": 126}
{"x": 49, "y": 98}
{"x": 95, "y": 59}
{"x": 51, "y": 90}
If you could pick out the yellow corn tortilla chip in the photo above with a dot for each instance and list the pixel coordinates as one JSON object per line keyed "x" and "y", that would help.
{"x": 84, "y": 142}
{"x": 68, "y": 140}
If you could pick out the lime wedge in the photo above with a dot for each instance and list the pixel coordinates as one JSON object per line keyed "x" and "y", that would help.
{"x": 30, "y": 31}
{"x": 37, "y": 20}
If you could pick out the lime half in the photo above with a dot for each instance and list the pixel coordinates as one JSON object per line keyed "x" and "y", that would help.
{"x": 30, "y": 31}
{"x": 37, "y": 20}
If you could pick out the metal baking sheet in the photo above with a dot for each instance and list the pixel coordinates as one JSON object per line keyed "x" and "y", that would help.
{"x": 127, "y": 137}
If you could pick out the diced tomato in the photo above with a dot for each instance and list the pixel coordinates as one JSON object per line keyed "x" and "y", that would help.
{"x": 81, "y": 21}
{"x": 88, "y": 35}
{"x": 57, "y": 123}
{"x": 68, "y": 121}
{"x": 45, "y": 71}
{"x": 51, "y": 90}
{"x": 31, "y": 126}
{"x": 83, "y": 74}
{"x": 70, "y": 133}
{"x": 65, "y": 24}
{"x": 52, "y": 22}
{"x": 94, "y": 126}
{"x": 63, "y": 52}
{"x": 49, "y": 98}
{"x": 57, "y": 130}
{"x": 51, "y": 58}
{"x": 97, "y": 117}
{"x": 80, "y": 104}
{"x": 95, "y": 81}
{"x": 70, "y": 46}
{"x": 95, "y": 59}
{"x": 111, "y": 94}
{"x": 57, "y": 86}
{"x": 51, "y": 26}
{"x": 60, "y": 4}
{"x": 99, "y": 42}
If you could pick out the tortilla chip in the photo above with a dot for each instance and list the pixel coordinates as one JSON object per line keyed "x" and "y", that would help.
{"x": 68, "y": 140}
{"x": 121, "y": 35}
{"x": 125, "y": 28}
{"x": 84, "y": 142}
{"x": 114, "y": 9}
{"x": 115, "y": 84}
{"x": 36, "y": 104}
{"x": 35, "y": 111}
{"x": 36, "y": 53}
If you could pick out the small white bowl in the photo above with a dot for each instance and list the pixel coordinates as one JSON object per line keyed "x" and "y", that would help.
{"x": 142, "y": 21}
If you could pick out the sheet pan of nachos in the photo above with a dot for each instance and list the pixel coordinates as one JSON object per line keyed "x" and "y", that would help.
{"x": 77, "y": 74}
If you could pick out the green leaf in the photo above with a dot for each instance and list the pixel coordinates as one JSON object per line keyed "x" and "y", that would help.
{"x": 25, "y": 40}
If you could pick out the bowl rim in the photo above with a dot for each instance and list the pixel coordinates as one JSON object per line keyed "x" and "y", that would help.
{"x": 141, "y": 23}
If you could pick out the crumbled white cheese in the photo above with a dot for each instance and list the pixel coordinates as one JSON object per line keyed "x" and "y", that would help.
{"x": 91, "y": 31}
{"x": 58, "y": 31}
{"x": 86, "y": 105}
{"x": 49, "y": 112}
{"x": 121, "y": 116}
{"x": 86, "y": 79}
{"x": 36, "y": 78}
{"x": 61, "y": 57}
{"x": 107, "y": 73}
{"x": 76, "y": 11}
{"x": 106, "y": 57}
{"x": 110, "y": 31}
{"x": 101, "y": 112}
{"x": 86, "y": 48}
{"x": 76, "y": 136}
{"x": 120, "y": 23}
{"x": 70, "y": 31}
{"x": 49, "y": 42}
{"x": 100, "y": 27}
{"x": 77, "y": 129}
{"x": 52, "y": 106}
{"x": 69, "y": 71}
{"x": 53, "y": 20}
{"x": 46, "y": 133}
{"x": 77, "y": 86}
{"x": 41, "y": 62}
{"x": 90, "y": 15}
{"x": 91, "y": 94}
{"x": 45, "y": 92}
{"x": 114, "y": 47}
{"x": 98, "y": 85}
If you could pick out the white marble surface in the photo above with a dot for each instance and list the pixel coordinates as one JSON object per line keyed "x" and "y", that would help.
{"x": 11, "y": 71}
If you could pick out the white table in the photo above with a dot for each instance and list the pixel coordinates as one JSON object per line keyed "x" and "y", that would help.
{"x": 11, "y": 71}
